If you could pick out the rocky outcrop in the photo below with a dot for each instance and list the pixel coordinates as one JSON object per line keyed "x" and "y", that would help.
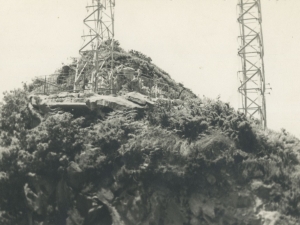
{"x": 111, "y": 102}
{"x": 42, "y": 104}
{"x": 138, "y": 99}
{"x": 154, "y": 203}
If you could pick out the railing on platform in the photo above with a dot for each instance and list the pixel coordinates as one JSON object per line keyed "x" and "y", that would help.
{"x": 56, "y": 83}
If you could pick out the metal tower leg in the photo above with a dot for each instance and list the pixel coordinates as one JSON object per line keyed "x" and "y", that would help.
{"x": 251, "y": 51}
{"x": 98, "y": 44}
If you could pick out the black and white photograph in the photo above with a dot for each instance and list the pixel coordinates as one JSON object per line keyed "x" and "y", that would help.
{"x": 150, "y": 112}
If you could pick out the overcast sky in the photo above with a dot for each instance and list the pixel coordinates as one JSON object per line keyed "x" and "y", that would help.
{"x": 195, "y": 41}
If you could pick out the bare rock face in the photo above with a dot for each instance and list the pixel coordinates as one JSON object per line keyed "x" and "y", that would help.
{"x": 150, "y": 205}
{"x": 114, "y": 103}
{"x": 101, "y": 103}
{"x": 138, "y": 98}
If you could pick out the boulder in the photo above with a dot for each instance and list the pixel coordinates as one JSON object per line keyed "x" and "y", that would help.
{"x": 75, "y": 175}
{"x": 111, "y": 102}
{"x": 106, "y": 194}
{"x": 138, "y": 98}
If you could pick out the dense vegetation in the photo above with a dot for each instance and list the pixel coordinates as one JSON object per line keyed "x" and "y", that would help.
{"x": 182, "y": 161}
{"x": 183, "y": 145}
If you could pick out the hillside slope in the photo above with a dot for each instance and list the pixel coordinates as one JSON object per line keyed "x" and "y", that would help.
{"x": 150, "y": 75}
{"x": 182, "y": 161}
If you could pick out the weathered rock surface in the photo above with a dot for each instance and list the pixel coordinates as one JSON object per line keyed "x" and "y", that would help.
{"x": 71, "y": 101}
{"x": 114, "y": 103}
{"x": 138, "y": 98}
{"x": 152, "y": 204}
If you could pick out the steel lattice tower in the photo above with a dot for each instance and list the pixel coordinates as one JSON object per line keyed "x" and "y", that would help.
{"x": 98, "y": 40}
{"x": 251, "y": 51}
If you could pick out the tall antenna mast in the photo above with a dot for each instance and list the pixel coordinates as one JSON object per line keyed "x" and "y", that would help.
{"x": 98, "y": 38}
{"x": 252, "y": 75}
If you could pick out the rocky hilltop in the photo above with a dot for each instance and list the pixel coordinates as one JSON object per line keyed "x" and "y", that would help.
{"x": 131, "y": 159}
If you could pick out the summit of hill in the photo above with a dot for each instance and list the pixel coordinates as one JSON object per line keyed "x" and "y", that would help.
{"x": 133, "y": 157}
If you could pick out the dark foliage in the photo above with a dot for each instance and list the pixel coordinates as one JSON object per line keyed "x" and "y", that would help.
{"x": 183, "y": 145}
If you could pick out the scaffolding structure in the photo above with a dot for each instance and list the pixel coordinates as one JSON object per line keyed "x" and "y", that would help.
{"x": 251, "y": 51}
{"x": 98, "y": 47}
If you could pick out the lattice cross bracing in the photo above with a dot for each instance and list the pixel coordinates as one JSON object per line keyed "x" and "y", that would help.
{"x": 251, "y": 52}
